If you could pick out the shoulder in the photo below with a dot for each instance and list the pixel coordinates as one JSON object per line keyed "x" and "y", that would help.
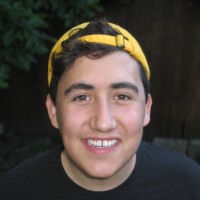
{"x": 170, "y": 161}
{"x": 31, "y": 169}
{"x": 169, "y": 168}
{"x": 166, "y": 155}
{"x": 166, "y": 174}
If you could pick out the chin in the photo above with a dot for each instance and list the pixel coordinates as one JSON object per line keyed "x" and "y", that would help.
{"x": 101, "y": 173}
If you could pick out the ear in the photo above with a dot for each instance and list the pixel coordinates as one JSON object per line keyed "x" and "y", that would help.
{"x": 147, "y": 111}
{"x": 51, "y": 108}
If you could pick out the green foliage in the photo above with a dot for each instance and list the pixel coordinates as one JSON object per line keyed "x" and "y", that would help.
{"x": 25, "y": 27}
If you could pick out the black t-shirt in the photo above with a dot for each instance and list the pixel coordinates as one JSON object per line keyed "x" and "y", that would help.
{"x": 159, "y": 174}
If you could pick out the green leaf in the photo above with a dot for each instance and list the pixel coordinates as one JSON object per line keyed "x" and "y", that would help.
{"x": 4, "y": 72}
{"x": 28, "y": 27}
{"x": 3, "y": 84}
{"x": 9, "y": 37}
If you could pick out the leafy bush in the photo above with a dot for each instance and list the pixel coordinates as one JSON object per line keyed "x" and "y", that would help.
{"x": 25, "y": 28}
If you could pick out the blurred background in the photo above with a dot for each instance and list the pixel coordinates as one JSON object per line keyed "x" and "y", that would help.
{"x": 169, "y": 33}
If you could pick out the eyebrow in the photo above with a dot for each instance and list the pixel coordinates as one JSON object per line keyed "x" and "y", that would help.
{"x": 78, "y": 86}
{"x": 84, "y": 86}
{"x": 125, "y": 85}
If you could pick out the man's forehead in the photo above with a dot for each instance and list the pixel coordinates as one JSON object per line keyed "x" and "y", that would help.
{"x": 114, "y": 59}
{"x": 113, "y": 68}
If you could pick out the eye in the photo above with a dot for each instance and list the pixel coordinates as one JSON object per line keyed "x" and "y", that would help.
{"x": 81, "y": 98}
{"x": 123, "y": 97}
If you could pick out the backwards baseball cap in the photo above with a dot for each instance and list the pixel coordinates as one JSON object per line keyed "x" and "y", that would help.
{"x": 124, "y": 40}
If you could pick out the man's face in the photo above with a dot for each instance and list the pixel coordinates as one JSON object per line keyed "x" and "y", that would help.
{"x": 100, "y": 111}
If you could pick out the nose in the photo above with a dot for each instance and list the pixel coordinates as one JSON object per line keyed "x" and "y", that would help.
{"x": 102, "y": 119}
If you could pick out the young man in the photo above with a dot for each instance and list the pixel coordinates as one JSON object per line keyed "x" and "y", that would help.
{"x": 99, "y": 100}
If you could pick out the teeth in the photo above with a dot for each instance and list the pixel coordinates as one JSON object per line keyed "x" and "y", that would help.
{"x": 102, "y": 143}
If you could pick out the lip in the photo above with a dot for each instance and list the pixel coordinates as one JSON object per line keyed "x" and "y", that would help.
{"x": 112, "y": 144}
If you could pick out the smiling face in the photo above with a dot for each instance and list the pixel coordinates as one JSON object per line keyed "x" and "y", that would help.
{"x": 100, "y": 111}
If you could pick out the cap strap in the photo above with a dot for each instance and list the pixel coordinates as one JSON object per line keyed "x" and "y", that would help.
{"x": 118, "y": 41}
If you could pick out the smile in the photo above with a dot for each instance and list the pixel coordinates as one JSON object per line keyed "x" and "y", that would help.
{"x": 102, "y": 143}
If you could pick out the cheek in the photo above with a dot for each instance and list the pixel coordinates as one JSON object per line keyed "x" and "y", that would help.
{"x": 132, "y": 118}
{"x": 71, "y": 121}
{"x": 133, "y": 126}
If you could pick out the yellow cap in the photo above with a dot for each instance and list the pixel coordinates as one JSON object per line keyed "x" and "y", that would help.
{"x": 124, "y": 41}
